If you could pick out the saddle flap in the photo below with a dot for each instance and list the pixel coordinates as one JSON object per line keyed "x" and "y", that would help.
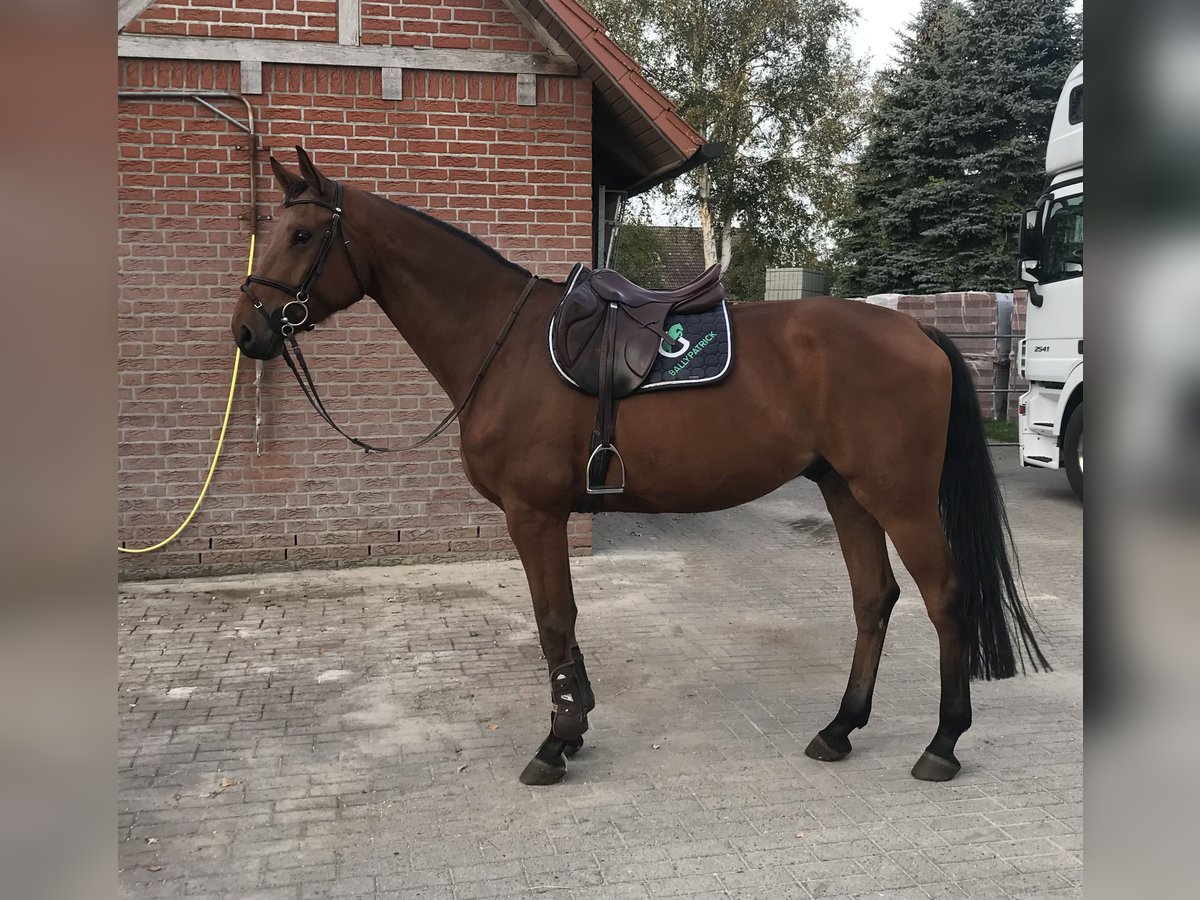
{"x": 577, "y": 320}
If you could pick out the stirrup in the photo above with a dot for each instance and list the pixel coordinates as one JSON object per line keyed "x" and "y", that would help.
{"x": 605, "y": 488}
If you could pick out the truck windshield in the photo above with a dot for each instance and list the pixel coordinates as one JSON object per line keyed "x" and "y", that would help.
{"x": 1064, "y": 240}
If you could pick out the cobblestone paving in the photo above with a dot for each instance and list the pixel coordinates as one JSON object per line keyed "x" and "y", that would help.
{"x": 359, "y": 733}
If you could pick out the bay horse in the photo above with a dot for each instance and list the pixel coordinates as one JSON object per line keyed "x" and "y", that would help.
{"x": 879, "y": 410}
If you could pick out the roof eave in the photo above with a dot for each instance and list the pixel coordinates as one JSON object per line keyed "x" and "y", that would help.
{"x": 672, "y": 137}
{"x": 705, "y": 153}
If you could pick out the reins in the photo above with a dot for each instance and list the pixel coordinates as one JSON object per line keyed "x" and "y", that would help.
{"x": 286, "y": 328}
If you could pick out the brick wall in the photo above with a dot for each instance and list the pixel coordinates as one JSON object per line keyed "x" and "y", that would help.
{"x": 446, "y": 25}
{"x": 441, "y": 24}
{"x": 281, "y": 20}
{"x": 457, "y": 146}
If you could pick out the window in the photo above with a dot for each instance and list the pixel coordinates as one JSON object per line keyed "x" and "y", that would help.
{"x": 1063, "y": 241}
{"x": 1075, "y": 106}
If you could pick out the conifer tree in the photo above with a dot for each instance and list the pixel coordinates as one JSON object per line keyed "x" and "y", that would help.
{"x": 956, "y": 146}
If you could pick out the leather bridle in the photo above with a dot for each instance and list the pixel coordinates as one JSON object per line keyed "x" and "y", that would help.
{"x": 282, "y": 324}
{"x": 285, "y": 326}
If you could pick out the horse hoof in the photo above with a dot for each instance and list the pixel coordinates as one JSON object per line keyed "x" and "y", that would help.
{"x": 540, "y": 773}
{"x": 819, "y": 748}
{"x": 572, "y": 747}
{"x": 935, "y": 768}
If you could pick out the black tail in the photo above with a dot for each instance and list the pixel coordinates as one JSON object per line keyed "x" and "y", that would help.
{"x": 977, "y": 528}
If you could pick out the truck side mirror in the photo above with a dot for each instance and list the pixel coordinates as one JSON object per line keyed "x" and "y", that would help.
{"x": 1030, "y": 244}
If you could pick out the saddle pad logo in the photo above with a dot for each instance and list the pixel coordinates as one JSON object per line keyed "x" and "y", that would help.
{"x": 676, "y": 334}
{"x": 702, "y": 352}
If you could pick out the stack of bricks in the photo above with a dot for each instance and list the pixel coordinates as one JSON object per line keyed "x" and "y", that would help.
{"x": 965, "y": 314}
{"x": 457, "y": 146}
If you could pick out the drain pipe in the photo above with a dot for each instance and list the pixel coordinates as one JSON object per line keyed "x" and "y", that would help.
{"x": 204, "y": 98}
{"x": 1004, "y": 345}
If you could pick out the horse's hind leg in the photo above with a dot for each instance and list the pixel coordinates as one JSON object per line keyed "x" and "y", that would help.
{"x": 541, "y": 541}
{"x": 874, "y": 588}
{"x": 922, "y": 545}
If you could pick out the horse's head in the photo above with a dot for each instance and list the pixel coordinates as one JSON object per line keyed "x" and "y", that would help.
{"x": 306, "y": 272}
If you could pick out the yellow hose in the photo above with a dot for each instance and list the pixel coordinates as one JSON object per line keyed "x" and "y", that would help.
{"x": 237, "y": 358}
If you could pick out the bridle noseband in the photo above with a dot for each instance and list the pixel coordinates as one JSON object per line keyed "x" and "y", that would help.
{"x": 280, "y": 322}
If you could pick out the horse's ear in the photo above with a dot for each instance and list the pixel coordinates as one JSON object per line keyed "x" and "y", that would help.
{"x": 310, "y": 173}
{"x": 285, "y": 178}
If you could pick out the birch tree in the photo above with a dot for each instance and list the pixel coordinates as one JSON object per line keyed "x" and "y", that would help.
{"x": 776, "y": 81}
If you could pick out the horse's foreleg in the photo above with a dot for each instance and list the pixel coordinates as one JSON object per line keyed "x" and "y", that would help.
{"x": 874, "y": 588}
{"x": 541, "y": 541}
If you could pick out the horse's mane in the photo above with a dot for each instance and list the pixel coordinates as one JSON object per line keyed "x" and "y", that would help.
{"x": 459, "y": 233}
{"x": 301, "y": 186}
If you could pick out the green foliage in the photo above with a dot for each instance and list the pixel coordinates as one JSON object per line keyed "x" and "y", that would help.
{"x": 776, "y": 81}
{"x": 639, "y": 254}
{"x": 1002, "y": 432}
{"x": 956, "y": 146}
{"x": 746, "y": 278}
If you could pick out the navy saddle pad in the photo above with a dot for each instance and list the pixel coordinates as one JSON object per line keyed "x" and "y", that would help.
{"x": 704, "y": 358}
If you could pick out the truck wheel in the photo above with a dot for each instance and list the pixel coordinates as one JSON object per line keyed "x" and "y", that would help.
{"x": 1073, "y": 451}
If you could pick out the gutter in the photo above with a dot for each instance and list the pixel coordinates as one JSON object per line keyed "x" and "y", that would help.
{"x": 706, "y": 153}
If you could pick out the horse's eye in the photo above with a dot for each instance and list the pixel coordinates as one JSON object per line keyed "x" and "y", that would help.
{"x": 301, "y": 237}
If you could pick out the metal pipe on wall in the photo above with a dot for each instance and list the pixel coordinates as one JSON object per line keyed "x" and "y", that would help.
{"x": 202, "y": 97}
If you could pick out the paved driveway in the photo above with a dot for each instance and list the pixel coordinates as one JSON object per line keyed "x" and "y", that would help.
{"x": 359, "y": 733}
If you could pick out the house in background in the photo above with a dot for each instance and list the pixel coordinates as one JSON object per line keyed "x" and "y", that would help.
{"x": 519, "y": 121}
{"x": 680, "y": 253}
{"x": 663, "y": 256}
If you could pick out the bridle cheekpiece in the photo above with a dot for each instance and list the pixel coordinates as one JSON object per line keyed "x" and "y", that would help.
{"x": 281, "y": 321}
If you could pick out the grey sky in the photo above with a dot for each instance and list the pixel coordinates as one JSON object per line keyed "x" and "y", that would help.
{"x": 879, "y": 20}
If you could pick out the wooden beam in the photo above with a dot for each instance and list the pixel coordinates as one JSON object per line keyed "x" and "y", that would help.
{"x": 393, "y": 83}
{"x": 128, "y": 10}
{"x": 325, "y": 53}
{"x": 350, "y": 22}
{"x": 526, "y": 90}
{"x": 251, "y": 77}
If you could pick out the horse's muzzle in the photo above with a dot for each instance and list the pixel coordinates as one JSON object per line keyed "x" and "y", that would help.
{"x": 265, "y": 344}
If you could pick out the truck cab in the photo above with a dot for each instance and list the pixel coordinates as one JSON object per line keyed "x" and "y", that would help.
{"x": 1051, "y": 355}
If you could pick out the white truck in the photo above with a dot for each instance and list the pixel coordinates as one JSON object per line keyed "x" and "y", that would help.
{"x": 1051, "y": 354}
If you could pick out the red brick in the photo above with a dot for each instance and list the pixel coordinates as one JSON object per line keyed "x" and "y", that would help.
{"x": 182, "y": 198}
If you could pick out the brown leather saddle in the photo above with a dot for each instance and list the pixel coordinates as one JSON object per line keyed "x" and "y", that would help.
{"x": 604, "y": 338}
